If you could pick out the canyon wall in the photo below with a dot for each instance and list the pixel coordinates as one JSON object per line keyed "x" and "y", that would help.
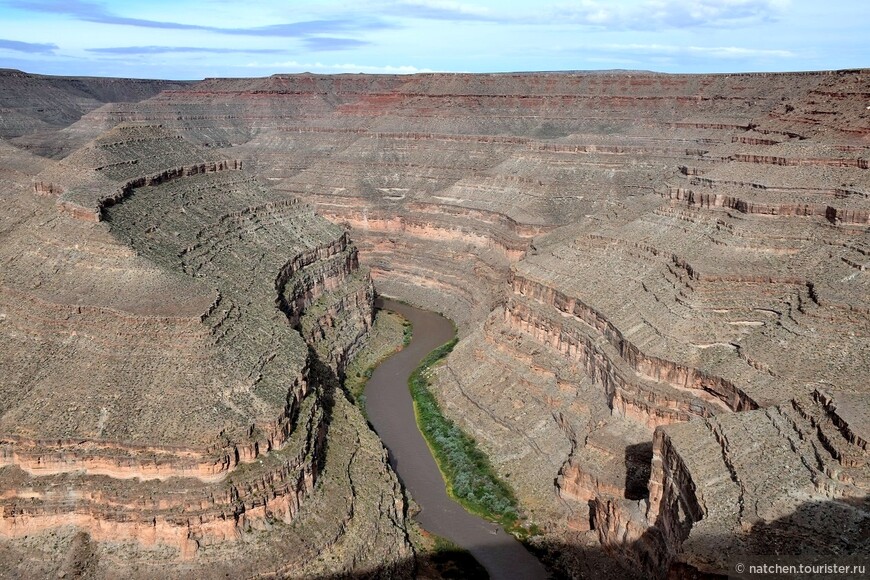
{"x": 171, "y": 359}
{"x": 36, "y": 107}
{"x": 660, "y": 283}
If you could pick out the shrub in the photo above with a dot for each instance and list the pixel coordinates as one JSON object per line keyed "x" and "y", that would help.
{"x": 471, "y": 480}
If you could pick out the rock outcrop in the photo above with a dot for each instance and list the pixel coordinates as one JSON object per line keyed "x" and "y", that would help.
{"x": 164, "y": 391}
{"x": 37, "y": 108}
{"x": 660, "y": 283}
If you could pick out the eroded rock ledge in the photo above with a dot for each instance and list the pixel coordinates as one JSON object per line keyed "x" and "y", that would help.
{"x": 221, "y": 430}
{"x": 660, "y": 283}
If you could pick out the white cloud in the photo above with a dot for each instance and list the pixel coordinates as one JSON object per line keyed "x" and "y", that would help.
{"x": 723, "y": 52}
{"x": 661, "y": 14}
{"x": 612, "y": 60}
{"x": 448, "y": 6}
{"x": 291, "y": 66}
{"x": 738, "y": 52}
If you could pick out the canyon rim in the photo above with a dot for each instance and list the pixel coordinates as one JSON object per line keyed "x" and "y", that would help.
{"x": 661, "y": 284}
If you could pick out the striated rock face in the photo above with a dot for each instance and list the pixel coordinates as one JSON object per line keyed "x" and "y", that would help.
{"x": 800, "y": 488}
{"x": 660, "y": 283}
{"x": 37, "y": 107}
{"x": 164, "y": 392}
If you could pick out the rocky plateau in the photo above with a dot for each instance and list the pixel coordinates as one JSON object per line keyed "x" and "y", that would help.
{"x": 661, "y": 285}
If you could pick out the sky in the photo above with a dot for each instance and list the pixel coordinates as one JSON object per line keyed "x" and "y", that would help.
{"x": 194, "y": 39}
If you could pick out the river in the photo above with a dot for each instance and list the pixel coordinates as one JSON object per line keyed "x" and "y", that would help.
{"x": 391, "y": 412}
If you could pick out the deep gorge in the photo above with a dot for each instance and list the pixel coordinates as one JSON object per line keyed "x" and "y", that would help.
{"x": 659, "y": 281}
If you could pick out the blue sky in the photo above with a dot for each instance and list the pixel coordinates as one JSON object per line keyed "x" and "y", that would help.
{"x": 193, "y": 39}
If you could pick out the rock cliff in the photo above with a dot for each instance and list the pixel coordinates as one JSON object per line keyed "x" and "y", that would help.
{"x": 660, "y": 282}
{"x": 171, "y": 353}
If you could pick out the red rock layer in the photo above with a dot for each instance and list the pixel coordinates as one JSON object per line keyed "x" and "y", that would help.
{"x": 652, "y": 272}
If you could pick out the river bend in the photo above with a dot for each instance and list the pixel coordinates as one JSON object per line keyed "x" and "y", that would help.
{"x": 391, "y": 412}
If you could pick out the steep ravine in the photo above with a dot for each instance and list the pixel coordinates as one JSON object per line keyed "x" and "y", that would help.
{"x": 660, "y": 283}
{"x": 230, "y": 429}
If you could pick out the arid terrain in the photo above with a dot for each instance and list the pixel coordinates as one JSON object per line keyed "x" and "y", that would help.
{"x": 661, "y": 284}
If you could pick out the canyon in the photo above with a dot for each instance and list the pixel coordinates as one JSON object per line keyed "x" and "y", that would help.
{"x": 660, "y": 284}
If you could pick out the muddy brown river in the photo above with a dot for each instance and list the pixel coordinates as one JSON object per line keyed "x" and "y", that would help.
{"x": 391, "y": 412}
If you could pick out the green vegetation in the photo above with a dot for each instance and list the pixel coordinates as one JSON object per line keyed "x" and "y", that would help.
{"x": 471, "y": 479}
{"x": 438, "y": 557}
{"x": 450, "y": 561}
{"x": 407, "y": 332}
{"x": 356, "y": 384}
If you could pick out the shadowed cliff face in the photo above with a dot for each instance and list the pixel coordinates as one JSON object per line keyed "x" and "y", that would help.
{"x": 790, "y": 540}
{"x": 660, "y": 280}
{"x": 595, "y": 563}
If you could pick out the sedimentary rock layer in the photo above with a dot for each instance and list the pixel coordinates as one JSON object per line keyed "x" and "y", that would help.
{"x": 164, "y": 392}
{"x": 660, "y": 280}
{"x": 36, "y": 107}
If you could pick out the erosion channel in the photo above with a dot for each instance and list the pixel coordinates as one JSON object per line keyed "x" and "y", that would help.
{"x": 391, "y": 411}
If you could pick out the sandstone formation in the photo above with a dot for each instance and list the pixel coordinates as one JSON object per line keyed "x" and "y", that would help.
{"x": 661, "y": 284}
{"x": 33, "y": 108}
{"x": 170, "y": 354}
